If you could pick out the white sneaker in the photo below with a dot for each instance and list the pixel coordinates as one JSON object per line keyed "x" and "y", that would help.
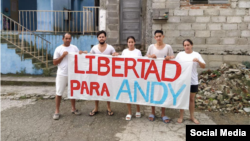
{"x": 138, "y": 114}
{"x": 56, "y": 116}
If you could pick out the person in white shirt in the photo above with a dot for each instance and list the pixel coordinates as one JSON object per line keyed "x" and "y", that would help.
{"x": 60, "y": 59}
{"x": 131, "y": 51}
{"x": 190, "y": 55}
{"x": 160, "y": 50}
{"x": 105, "y": 49}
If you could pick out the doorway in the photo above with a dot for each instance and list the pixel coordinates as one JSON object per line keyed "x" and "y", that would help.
{"x": 130, "y": 20}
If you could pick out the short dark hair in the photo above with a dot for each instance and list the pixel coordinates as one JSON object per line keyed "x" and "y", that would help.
{"x": 188, "y": 40}
{"x": 131, "y": 37}
{"x": 101, "y": 32}
{"x": 65, "y": 34}
{"x": 158, "y": 31}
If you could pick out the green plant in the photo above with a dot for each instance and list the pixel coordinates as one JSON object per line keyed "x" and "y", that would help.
{"x": 46, "y": 72}
{"x": 23, "y": 97}
{"x": 247, "y": 64}
{"x": 211, "y": 99}
{"x": 22, "y": 71}
{"x": 217, "y": 73}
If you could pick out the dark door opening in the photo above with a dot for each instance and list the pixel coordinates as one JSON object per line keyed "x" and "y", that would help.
{"x": 130, "y": 20}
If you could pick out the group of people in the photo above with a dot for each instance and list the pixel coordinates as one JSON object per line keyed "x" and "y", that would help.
{"x": 157, "y": 50}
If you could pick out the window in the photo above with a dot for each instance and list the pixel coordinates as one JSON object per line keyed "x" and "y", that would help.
{"x": 208, "y": 1}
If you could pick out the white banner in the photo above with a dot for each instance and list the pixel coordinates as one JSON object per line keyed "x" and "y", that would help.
{"x": 142, "y": 81}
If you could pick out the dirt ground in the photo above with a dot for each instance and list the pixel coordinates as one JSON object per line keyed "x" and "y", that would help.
{"x": 228, "y": 118}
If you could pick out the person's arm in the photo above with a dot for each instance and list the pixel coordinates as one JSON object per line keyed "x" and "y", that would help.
{"x": 139, "y": 54}
{"x": 85, "y": 52}
{"x": 114, "y": 53}
{"x": 59, "y": 60}
{"x": 202, "y": 65}
{"x": 170, "y": 54}
{"x": 149, "y": 53}
{"x": 152, "y": 56}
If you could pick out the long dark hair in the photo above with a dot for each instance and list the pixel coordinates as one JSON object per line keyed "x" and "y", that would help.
{"x": 188, "y": 40}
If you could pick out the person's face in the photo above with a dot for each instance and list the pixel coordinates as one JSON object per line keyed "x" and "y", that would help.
{"x": 159, "y": 37}
{"x": 131, "y": 43}
{"x": 6, "y": 9}
{"x": 188, "y": 47}
{"x": 102, "y": 38}
{"x": 67, "y": 39}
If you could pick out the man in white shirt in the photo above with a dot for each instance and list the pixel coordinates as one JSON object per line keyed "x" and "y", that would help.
{"x": 160, "y": 50}
{"x": 105, "y": 49}
{"x": 61, "y": 60}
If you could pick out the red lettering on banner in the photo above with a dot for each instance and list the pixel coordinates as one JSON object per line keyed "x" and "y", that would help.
{"x": 90, "y": 65}
{"x": 127, "y": 67}
{"x": 76, "y": 66}
{"x": 155, "y": 71}
{"x": 104, "y": 62}
{"x": 144, "y": 61}
{"x": 94, "y": 86}
{"x": 72, "y": 88}
{"x": 114, "y": 67}
{"x": 84, "y": 87}
{"x": 107, "y": 61}
{"x": 177, "y": 74}
{"x": 105, "y": 89}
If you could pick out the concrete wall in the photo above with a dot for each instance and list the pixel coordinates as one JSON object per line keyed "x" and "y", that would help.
{"x": 112, "y": 8}
{"x": 83, "y": 42}
{"x": 43, "y": 23}
{"x": 112, "y": 20}
{"x": 60, "y": 4}
{"x": 81, "y": 3}
{"x": 47, "y": 20}
{"x": 219, "y": 31}
{"x": 14, "y": 63}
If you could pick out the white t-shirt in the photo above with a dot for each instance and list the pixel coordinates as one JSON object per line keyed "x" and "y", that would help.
{"x": 166, "y": 51}
{"x": 63, "y": 66}
{"x": 133, "y": 53}
{"x": 183, "y": 56}
{"x": 108, "y": 51}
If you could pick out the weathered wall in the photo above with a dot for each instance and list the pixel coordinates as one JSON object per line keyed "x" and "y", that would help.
{"x": 12, "y": 63}
{"x": 112, "y": 8}
{"x": 43, "y": 23}
{"x": 15, "y": 63}
{"x": 221, "y": 29}
{"x": 112, "y": 20}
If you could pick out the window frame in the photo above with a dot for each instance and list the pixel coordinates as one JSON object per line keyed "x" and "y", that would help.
{"x": 207, "y": 2}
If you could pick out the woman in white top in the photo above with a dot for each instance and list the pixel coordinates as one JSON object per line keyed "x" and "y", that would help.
{"x": 190, "y": 55}
{"x": 131, "y": 51}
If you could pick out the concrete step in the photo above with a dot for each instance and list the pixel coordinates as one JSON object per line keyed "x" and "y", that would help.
{"x": 27, "y": 80}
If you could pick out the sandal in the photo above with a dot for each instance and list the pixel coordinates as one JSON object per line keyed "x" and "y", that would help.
{"x": 151, "y": 116}
{"x": 92, "y": 113}
{"x": 110, "y": 113}
{"x": 165, "y": 118}
{"x": 128, "y": 117}
{"x": 138, "y": 114}
{"x": 76, "y": 112}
